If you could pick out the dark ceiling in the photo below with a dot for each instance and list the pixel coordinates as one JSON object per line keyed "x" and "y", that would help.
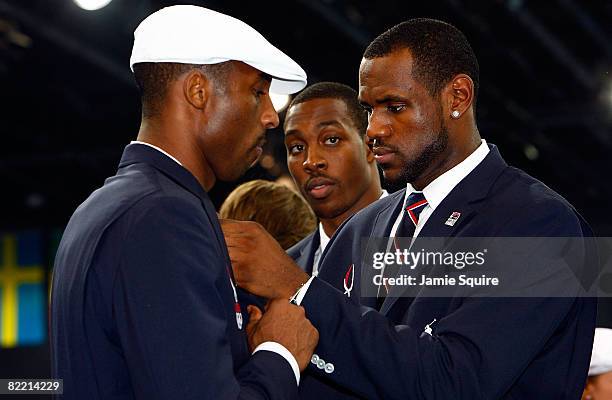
{"x": 69, "y": 104}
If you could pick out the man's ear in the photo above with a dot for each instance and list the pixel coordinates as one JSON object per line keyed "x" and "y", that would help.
{"x": 196, "y": 88}
{"x": 458, "y": 96}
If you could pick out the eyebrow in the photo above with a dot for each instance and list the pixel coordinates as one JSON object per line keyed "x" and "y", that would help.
{"x": 320, "y": 125}
{"x": 331, "y": 122}
{"x": 291, "y": 132}
{"x": 390, "y": 98}
{"x": 386, "y": 99}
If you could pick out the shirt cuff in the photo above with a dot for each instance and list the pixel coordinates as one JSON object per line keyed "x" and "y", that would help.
{"x": 302, "y": 292}
{"x": 283, "y": 352}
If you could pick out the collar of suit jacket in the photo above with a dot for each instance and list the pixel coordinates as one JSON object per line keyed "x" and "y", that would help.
{"x": 137, "y": 153}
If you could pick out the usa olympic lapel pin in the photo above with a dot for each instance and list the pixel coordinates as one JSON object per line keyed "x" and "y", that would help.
{"x": 453, "y": 218}
{"x": 350, "y": 274}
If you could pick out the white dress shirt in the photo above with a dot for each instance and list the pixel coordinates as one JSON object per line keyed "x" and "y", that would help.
{"x": 267, "y": 346}
{"x": 440, "y": 187}
{"x": 434, "y": 193}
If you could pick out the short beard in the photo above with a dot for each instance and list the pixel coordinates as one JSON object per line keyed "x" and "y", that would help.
{"x": 415, "y": 169}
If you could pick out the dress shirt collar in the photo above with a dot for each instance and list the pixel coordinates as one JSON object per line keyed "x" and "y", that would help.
{"x": 323, "y": 238}
{"x": 156, "y": 148}
{"x": 440, "y": 187}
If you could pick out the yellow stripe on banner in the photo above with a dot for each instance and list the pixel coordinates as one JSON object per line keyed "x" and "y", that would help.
{"x": 10, "y": 277}
{"x": 9, "y": 317}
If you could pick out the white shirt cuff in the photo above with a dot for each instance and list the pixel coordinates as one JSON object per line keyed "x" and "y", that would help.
{"x": 303, "y": 290}
{"x": 283, "y": 352}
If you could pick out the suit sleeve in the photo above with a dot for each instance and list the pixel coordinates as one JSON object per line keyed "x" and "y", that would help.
{"x": 172, "y": 319}
{"x": 476, "y": 351}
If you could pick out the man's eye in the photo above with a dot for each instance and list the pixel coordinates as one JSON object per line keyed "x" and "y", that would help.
{"x": 332, "y": 140}
{"x": 396, "y": 108}
{"x": 296, "y": 148}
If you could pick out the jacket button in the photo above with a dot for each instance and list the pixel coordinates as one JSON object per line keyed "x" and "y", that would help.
{"x": 314, "y": 359}
{"x": 321, "y": 364}
{"x": 329, "y": 368}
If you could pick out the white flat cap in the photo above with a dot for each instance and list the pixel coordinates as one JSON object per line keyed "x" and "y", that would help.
{"x": 196, "y": 35}
{"x": 601, "y": 358}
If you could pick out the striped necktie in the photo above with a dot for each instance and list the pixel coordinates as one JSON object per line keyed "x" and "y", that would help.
{"x": 415, "y": 204}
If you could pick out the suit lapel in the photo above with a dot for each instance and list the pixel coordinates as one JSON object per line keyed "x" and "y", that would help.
{"x": 377, "y": 229}
{"x": 465, "y": 198}
{"x": 383, "y": 223}
{"x": 387, "y": 216}
{"x": 307, "y": 252}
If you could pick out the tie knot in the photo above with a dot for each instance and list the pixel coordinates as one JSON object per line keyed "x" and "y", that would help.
{"x": 415, "y": 203}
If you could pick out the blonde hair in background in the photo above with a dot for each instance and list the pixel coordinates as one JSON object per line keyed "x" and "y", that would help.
{"x": 283, "y": 212}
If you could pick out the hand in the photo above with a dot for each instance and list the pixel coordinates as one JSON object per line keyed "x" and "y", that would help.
{"x": 286, "y": 324}
{"x": 260, "y": 265}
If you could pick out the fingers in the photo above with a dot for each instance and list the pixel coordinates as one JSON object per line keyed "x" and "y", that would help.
{"x": 229, "y": 224}
{"x": 239, "y": 228}
{"x": 233, "y": 236}
{"x": 233, "y": 229}
{"x": 278, "y": 304}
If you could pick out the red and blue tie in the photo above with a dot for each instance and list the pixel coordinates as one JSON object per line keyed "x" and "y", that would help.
{"x": 415, "y": 204}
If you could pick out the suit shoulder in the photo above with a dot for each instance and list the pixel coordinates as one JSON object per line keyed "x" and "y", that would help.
{"x": 523, "y": 189}
{"x": 295, "y": 250}
{"x": 142, "y": 177}
{"x": 135, "y": 191}
{"x": 529, "y": 201}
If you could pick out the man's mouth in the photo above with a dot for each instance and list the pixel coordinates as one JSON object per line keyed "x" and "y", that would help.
{"x": 383, "y": 155}
{"x": 319, "y": 188}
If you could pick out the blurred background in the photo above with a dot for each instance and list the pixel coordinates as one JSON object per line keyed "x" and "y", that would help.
{"x": 69, "y": 105}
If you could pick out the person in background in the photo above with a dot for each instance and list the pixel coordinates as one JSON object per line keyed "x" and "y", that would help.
{"x": 330, "y": 161}
{"x": 599, "y": 382}
{"x": 334, "y": 168}
{"x": 281, "y": 211}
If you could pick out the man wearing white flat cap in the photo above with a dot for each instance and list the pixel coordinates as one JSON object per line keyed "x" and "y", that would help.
{"x": 143, "y": 302}
{"x": 599, "y": 382}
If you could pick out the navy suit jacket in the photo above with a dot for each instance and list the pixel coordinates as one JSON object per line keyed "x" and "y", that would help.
{"x": 479, "y": 348}
{"x": 142, "y": 306}
{"x": 303, "y": 252}
{"x": 314, "y": 386}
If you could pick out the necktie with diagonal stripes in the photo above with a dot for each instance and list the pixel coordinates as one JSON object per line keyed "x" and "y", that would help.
{"x": 415, "y": 204}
